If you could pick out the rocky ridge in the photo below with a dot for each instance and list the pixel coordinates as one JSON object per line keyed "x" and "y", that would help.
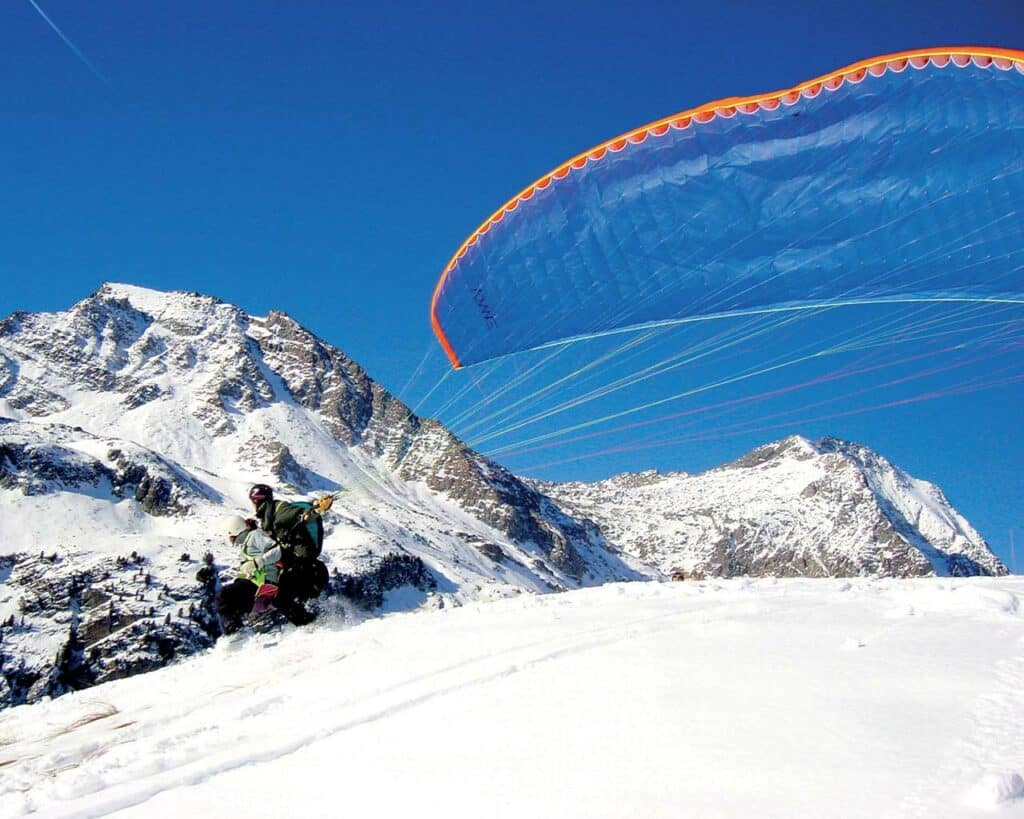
{"x": 791, "y": 508}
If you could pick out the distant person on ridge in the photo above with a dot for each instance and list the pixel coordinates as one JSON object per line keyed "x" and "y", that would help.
{"x": 299, "y": 532}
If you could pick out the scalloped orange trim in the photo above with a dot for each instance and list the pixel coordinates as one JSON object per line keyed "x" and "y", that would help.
{"x": 1002, "y": 58}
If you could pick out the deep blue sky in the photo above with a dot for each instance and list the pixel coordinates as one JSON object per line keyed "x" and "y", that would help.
{"x": 326, "y": 158}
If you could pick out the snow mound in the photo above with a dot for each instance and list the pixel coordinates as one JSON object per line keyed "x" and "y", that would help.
{"x": 997, "y": 789}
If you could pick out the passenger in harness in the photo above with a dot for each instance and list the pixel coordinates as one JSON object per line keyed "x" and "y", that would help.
{"x": 259, "y": 572}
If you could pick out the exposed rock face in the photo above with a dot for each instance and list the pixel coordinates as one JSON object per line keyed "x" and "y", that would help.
{"x": 101, "y": 627}
{"x": 358, "y": 411}
{"x": 38, "y": 459}
{"x": 791, "y": 508}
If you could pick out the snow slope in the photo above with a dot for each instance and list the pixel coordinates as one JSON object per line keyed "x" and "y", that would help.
{"x": 732, "y": 698}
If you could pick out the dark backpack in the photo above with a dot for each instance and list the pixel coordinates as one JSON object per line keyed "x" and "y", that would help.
{"x": 304, "y": 539}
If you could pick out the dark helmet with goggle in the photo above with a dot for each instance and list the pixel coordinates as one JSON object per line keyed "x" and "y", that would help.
{"x": 260, "y": 493}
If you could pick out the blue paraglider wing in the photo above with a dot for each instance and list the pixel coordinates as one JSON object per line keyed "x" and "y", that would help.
{"x": 898, "y": 178}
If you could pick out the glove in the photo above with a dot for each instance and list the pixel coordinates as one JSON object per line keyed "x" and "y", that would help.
{"x": 321, "y": 505}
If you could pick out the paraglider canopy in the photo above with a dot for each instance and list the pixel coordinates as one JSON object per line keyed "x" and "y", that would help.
{"x": 899, "y": 178}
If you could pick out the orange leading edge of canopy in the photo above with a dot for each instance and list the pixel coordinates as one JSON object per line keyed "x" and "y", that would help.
{"x": 1002, "y": 58}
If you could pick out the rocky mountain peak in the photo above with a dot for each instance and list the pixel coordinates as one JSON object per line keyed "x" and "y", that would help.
{"x": 790, "y": 507}
{"x": 793, "y": 448}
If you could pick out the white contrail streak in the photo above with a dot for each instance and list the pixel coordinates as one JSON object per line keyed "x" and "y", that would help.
{"x": 70, "y": 44}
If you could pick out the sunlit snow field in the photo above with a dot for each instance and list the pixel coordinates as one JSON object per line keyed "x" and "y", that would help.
{"x": 741, "y": 698}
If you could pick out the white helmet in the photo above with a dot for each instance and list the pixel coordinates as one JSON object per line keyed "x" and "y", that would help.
{"x": 234, "y": 525}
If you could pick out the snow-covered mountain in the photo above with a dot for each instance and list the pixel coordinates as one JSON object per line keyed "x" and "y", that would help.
{"x": 133, "y": 422}
{"x": 790, "y": 508}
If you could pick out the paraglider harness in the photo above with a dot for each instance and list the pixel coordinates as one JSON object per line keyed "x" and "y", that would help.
{"x": 297, "y": 525}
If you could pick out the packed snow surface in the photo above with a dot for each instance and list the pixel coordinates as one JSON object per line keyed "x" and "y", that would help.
{"x": 741, "y": 698}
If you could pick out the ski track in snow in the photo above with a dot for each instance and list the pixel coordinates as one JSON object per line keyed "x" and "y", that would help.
{"x": 388, "y": 701}
{"x": 265, "y": 699}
